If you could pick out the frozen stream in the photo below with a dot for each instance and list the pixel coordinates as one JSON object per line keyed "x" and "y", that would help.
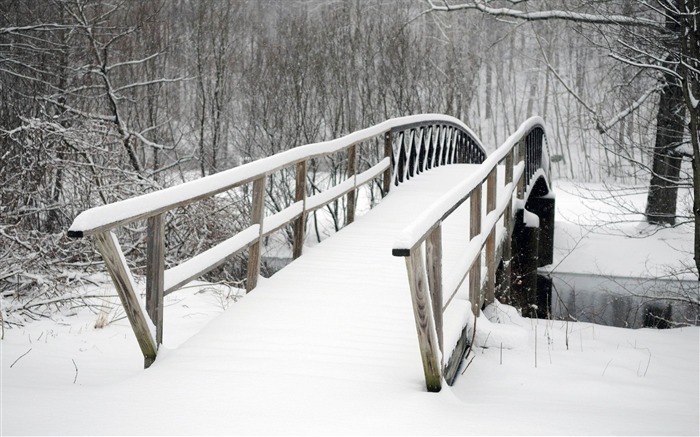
{"x": 624, "y": 301}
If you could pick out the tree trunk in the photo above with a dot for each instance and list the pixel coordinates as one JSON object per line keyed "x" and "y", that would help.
{"x": 663, "y": 188}
{"x": 670, "y": 124}
{"x": 690, "y": 72}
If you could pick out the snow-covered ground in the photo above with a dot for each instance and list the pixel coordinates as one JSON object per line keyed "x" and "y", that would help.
{"x": 254, "y": 369}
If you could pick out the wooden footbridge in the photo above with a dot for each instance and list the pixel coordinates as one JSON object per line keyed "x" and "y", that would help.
{"x": 469, "y": 227}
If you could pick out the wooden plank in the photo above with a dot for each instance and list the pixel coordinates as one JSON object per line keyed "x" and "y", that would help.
{"x": 352, "y": 172}
{"x": 155, "y": 266}
{"x": 433, "y": 261}
{"x": 181, "y": 274}
{"x": 300, "y": 222}
{"x": 257, "y": 216}
{"x": 387, "y": 180}
{"x": 111, "y": 252}
{"x": 474, "y": 231}
{"x": 454, "y": 361}
{"x": 422, "y": 313}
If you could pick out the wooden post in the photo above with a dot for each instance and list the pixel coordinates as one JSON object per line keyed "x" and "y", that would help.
{"x": 108, "y": 246}
{"x": 433, "y": 261}
{"x": 257, "y": 216}
{"x": 523, "y": 158}
{"x": 155, "y": 266}
{"x": 300, "y": 222}
{"x": 424, "y": 320}
{"x": 388, "y": 152}
{"x": 491, "y": 195}
{"x": 352, "y": 171}
{"x": 508, "y": 224}
{"x": 475, "y": 268}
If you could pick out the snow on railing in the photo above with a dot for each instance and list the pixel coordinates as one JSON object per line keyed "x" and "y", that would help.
{"x": 412, "y": 145}
{"x": 525, "y": 157}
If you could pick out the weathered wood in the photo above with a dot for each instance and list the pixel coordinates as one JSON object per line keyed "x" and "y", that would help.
{"x": 433, "y": 261}
{"x": 386, "y": 180}
{"x": 198, "y": 265}
{"x": 475, "y": 269}
{"x": 111, "y": 252}
{"x": 505, "y": 285}
{"x": 257, "y": 216}
{"x": 300, "y": 222}
{"x": 490, "y": 294}
{"x": 422, "y": 313}
{"x": 155, "y": 266}
{"x": 457, "y": 356}
{"x": 491, "y": 196}
{"x": 521, "y": 157}
{"x": 352, "y": 172}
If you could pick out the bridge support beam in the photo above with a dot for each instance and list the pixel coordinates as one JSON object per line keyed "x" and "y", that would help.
{"x": 544, "y": 208}
{"x": 525, "y": 247}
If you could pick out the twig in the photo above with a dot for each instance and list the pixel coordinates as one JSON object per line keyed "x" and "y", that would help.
{"x": 15, "y": 362}
{"x": 467, "y": 366}
{"x": 471, "y": 345}
{"x": 76, "y": 370}
{"x": 485, "y": 343}
{"x": 606, "y": 367}
{"x": 648, "y": 362}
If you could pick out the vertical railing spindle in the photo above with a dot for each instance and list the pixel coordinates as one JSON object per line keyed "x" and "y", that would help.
{"x": 300, "y": 222}
{"x": 257, "y": 216}
{"x": 491, "y": 195}
{"x": 352, "y": 172}
{"x": 388, "y": 153}
{"x": 433, "y": 261}
{"x": 475, "y": 270}
{"x": 155, "y": 267}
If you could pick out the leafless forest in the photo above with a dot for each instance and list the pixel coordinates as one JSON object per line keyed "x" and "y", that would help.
{"x": 106, "y": 99}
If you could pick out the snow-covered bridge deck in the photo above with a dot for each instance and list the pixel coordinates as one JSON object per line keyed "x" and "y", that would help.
{"x": 353, "y": 283}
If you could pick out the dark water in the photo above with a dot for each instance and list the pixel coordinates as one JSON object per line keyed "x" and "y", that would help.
{"x": 623, "y": 301}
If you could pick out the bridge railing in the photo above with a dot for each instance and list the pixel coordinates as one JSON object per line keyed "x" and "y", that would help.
{"x": 523, "y": 154}
{"x": 410, "y": 145}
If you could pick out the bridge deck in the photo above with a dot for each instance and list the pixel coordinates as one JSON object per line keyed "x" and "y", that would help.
{"x": 335, "y": 323}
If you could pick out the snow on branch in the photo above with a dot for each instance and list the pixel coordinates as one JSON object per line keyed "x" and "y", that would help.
{"x": 150, "y": 82}
{"x": 107, "y": 118}
{"x": 132, "y": 62}
{"x": 620, "y": 20}
{"x": 602, "y": 128}
{"x": 35, "y": 28}
{"x": 645, "y": 65}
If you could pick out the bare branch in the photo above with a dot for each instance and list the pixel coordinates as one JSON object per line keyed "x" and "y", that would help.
{"x": 617, "y": 20}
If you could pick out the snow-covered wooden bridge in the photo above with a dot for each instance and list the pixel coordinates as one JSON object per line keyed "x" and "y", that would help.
{"x": 455, "y": 227}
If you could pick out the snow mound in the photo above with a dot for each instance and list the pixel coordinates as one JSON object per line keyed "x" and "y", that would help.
{"x": 500, "y": 326}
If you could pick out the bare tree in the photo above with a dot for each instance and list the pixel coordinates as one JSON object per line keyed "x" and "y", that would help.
{"x": 659, "y": 38}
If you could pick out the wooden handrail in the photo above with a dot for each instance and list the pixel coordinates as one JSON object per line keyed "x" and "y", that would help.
{"x": 524, "y": 153}
{"x": 120, "y": 213}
